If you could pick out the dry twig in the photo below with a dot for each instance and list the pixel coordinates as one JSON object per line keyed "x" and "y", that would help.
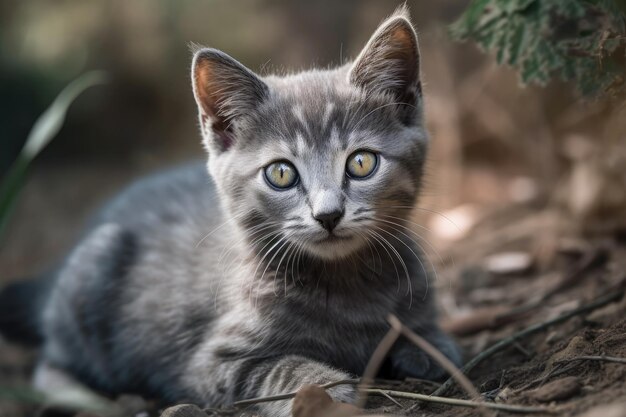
{"x": 437, "y": 356}
{"x": 398, "y": 394}
{"x": 459, "y": 402}
{"x": 376, "y": 360}
{"x": 599, "y": 302}
{"x": 599, "y": 358}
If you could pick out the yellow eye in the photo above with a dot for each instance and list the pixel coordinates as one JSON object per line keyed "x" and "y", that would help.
{"x": 361, "y": 164}
{"x": 281, "y": 174}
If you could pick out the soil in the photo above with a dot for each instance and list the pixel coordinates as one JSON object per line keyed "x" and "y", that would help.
{"x": 567, "y": 269}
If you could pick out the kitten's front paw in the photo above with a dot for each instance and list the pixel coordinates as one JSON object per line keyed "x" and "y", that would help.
{"x": 411, "y": 361}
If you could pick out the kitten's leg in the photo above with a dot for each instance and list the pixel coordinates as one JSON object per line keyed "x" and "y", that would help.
{"x": 292, "y": 372}
{"x": 408, "y": 360}
{"x": 251, "y": 378}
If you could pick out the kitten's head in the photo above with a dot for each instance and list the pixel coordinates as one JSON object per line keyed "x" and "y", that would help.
{"x": 324, "y": 160}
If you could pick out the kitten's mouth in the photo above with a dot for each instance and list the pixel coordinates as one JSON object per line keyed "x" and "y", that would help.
{"x": 331, "y": 238}
{"x": 334, "y": 246}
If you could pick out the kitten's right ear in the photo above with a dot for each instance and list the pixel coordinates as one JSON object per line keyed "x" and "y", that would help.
{"x": 224, "y": 90}
{"x": 390, "y": 62}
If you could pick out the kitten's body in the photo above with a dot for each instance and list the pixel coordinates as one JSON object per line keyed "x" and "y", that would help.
{"x": 189, "y": 291}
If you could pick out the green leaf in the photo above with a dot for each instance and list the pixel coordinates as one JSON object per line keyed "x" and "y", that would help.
{"x": 578, "y": 40}
{"x": 43, "y": 131}
{"x": 50, "y": 122}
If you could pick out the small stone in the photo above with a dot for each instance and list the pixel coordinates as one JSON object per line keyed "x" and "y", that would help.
{"x": 557, "y": 390}
{"x": 184, "y": 410}
{"x": 509, "y": 263}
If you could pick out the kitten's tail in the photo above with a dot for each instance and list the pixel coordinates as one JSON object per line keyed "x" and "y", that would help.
{"x": 21, "y": 306}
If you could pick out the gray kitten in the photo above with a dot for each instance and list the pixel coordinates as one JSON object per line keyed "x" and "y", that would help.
{"x": 280, "y": 271}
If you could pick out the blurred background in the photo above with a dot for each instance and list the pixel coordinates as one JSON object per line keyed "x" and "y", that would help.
{"x": 494, "y": 142}
{"x": 536, "y": 169}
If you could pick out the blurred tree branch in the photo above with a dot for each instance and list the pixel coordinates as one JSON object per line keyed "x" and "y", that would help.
{"x": 579, "y": 40}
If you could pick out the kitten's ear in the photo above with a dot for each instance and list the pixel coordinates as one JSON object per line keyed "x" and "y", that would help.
{"x": 224, "y": 90}
{"x": 390, "y": 60}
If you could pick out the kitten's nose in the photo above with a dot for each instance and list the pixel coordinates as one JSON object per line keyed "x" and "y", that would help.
{"x": 329, "y": 220}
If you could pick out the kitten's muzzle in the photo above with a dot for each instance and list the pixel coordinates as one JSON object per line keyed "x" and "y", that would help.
{"x": 329, "y": 220}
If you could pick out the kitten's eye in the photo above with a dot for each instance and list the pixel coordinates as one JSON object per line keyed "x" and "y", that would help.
{"x": 361, "y": 164}
{"x": 281, "y": 175}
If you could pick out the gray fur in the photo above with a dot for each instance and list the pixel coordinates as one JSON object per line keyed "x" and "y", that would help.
{"x": 210, "y": 291}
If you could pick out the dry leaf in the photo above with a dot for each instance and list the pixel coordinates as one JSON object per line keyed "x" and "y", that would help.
{"x": 313, "y": 401}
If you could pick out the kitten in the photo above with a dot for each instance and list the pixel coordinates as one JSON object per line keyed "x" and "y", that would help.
{"x": 280, "y": 271}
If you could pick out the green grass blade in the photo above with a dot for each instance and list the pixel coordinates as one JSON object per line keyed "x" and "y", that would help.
{"x": 44, "y": 130}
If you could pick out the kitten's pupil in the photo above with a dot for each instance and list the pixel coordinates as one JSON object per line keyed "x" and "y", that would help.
{"x": 359, "y": 159}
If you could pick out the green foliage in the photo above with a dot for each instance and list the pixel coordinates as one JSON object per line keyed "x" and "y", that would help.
{"x": 579, "y": 40}
{"x": 43, "y": 131}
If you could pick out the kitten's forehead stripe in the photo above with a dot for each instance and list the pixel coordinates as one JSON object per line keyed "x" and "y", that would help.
{"x": 300, "y": 145}
{"x": 319, "y": 115}
{"x": 300, "y": 117}
{"x": 330, "y": 107}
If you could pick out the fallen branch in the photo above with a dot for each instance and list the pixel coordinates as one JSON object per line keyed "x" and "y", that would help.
{"x": 374, "y": 363}
{"x": 599, "y": 302}
{"x": 395, "y": 394}
{"x": 459, "y": 403}
{"x": 437, "y": 356}
{"x": 599, "y": 358}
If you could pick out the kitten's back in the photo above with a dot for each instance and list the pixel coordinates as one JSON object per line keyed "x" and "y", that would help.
{"x": 141, "y": 251}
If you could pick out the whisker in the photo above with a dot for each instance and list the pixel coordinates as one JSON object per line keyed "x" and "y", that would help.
{"x": 427, "y": 210}
{"x": 414, "y": 254}
{"x": 250, "y": 233}
{"x": 378, "y": 238}
{"x": 225, "y": 253}
{"x": 236, "y": 216}
{"x": 253, "y": 242}
{"x": 370, "y": 246}
{"x": 396, "y": 227}
{"x": 421, "y": 237}
{"x": 301, "y": 251}
{"x": 291, "y": 252}
{"x": 406, "y": 270}
{"x": 259, "y": 263}
{"x": 284, "y": 241}
{"x": 277, "y": 271}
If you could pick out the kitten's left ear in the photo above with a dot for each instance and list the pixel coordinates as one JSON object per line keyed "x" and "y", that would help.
{"x": 389, "y": 63}
{"x": 225, "y": 90}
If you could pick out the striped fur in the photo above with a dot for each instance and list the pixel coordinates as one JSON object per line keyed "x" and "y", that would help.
{"x": 210, "y": 291}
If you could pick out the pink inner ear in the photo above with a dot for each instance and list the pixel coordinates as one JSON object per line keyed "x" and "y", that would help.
{"x": 225, "y": 139}
{"x": 221, "y": 136}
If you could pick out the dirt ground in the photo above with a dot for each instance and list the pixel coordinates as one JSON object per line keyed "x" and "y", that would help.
{"x": 486, "y": 296}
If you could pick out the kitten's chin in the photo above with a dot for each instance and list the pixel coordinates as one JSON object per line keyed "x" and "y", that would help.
{"x": 335, "y": 248}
